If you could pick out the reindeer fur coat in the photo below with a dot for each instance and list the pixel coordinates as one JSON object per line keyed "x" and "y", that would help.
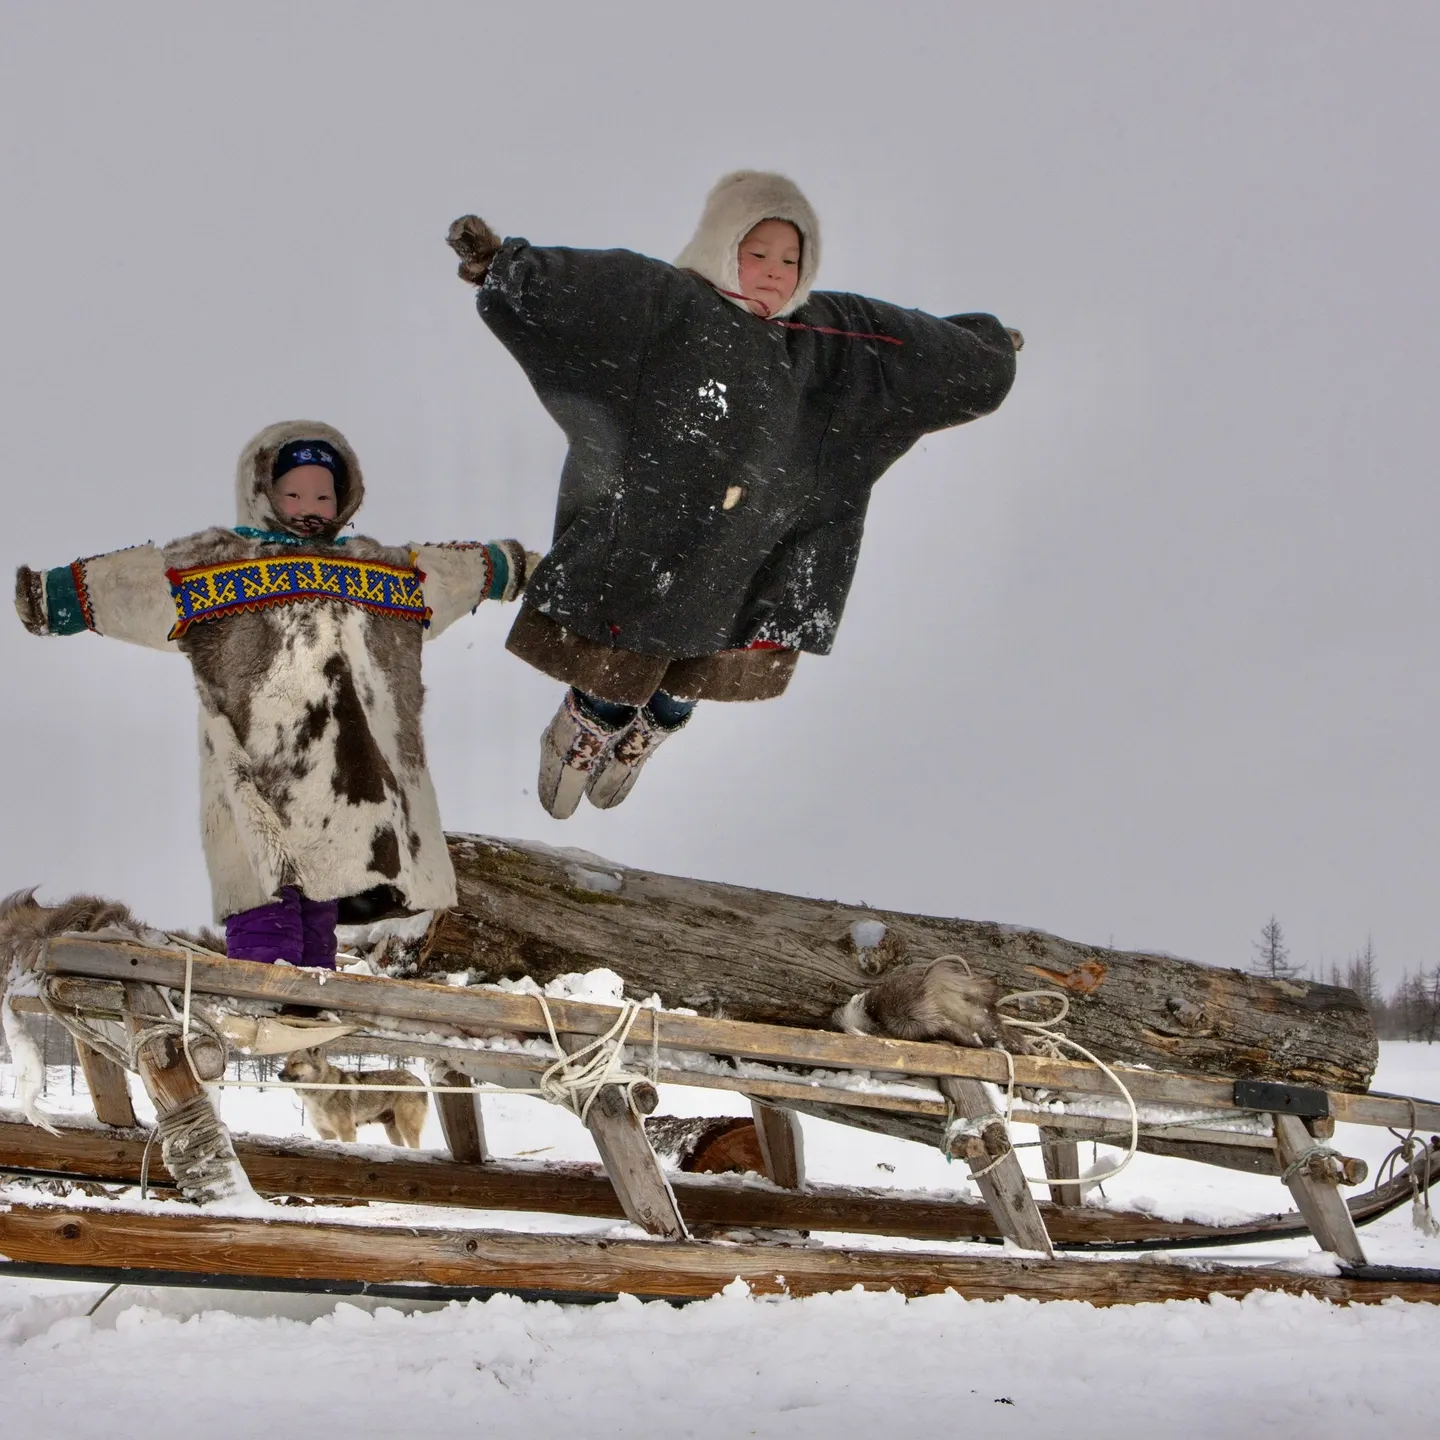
{"x": 312, "y": 763}
{"x": 720, "y": 464}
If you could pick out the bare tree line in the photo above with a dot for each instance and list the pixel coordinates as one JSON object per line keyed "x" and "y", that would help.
{"x": 1411, "y": 1011}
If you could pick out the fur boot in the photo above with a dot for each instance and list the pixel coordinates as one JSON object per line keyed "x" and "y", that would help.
{"x": 573, "y": 744}
{"x": 618, "y": 769}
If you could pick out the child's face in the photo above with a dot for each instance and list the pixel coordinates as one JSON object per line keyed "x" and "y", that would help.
{"x": 305, "y": 498}
{"x": 769, "y": 265}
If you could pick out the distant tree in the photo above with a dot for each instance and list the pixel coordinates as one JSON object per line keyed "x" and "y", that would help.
{"x": 1272, "y": 955}
{"x": 1361, "y": 975}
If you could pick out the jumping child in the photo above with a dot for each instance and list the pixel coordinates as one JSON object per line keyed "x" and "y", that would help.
{"x": 316, "y": 803}
{"x": 726, "y": 423}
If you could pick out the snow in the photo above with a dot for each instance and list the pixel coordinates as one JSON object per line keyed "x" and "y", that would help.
{"x": 834, "y": 1366}
{"x": 867, "y": 934}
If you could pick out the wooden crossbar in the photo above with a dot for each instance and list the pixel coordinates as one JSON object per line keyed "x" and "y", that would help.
{"x": 481, "y": 1011}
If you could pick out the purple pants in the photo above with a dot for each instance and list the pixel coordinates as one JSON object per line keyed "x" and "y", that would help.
{"x": 291, "y": 928}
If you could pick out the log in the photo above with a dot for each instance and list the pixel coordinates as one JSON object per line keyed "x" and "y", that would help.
{"x": 784, "y": 959}
{"x": 180, "y": 1249}
{"x": 782, "y": 1144}
{"x": 706, "y": 1145}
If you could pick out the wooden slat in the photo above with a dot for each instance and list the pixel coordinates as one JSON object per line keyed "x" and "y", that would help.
{"x": 1061, "y": 1158}
{"x": 1001, "y": 1180}
{"x": 1319, "y": 1200}
{"x": 109, "y": 1088}
{"x": 461, "y": 1121}
{"x": 782, "y": 1144}
{"x": 473, "y": 1010}
{"x": 259, "y": 1249}
{"x": 634, "y": 1170}
{"x": 330, "y": 1171}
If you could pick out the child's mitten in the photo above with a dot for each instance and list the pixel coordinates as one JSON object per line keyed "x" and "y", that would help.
{"x": 532, "y": 559}
{"x": 30, "y": 600}
{"x": 475, "y": 243}
{"x": 1016, "y": 339}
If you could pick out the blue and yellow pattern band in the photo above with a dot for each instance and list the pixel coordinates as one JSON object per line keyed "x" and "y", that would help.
{"x": 211, "y": 592}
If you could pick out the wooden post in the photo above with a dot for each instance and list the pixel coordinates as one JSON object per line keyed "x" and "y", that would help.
{"x": 1062, "y": 1162}
{"x": 996, "y": 1169}
{"x": 200, "y": 1157}
{"x": 631, "y": 1164}
{"x": 109, "y": 1087}
{"x": 1313, "y": 1184}
{"x": 461, "y": 1119}
{"x": 782, "y": 1145}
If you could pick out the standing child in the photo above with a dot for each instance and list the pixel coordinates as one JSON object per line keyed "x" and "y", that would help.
{"x": 316, "y": 803}
{"x": 726, "y": 424}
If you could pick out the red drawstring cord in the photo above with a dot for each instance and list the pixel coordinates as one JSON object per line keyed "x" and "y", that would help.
{"x": 796, "y": 325}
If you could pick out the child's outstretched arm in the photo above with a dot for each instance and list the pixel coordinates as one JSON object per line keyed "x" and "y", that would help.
{"x": 125, "y": 594}
{"x": 460, "y": 574}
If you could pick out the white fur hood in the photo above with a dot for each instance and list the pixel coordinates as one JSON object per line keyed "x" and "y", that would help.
{"x": 254, "y": 504}
{"x": 739, "y": 202}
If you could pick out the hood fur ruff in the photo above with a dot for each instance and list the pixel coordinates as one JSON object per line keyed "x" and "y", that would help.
{"x": 738, "y": 203}
{"x": 254, "y": 504}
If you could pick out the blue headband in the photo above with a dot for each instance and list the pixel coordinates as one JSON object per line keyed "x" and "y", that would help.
{"x": 307, "y": 452}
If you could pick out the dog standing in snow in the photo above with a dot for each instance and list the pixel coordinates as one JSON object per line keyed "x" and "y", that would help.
{"x": 336, "y": 1114}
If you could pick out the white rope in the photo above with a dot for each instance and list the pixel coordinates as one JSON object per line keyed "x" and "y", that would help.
{"x": 1045, "y": 1038}
{"x": 574, "y": 1080}
{"x": 1044, "y": 1035}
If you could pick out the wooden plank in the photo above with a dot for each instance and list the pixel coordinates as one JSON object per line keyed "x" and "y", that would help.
{"x": 109, "y": 1087}
{"x": 258, "y": 1249}
{"x": 1317, "y": 1195}
{"x": 465, "y": 1010}
{"x": 461, "y": 1120}
{"x": 634, "y": 1171}
{"x": 1061, "y": 1158}
{"x": 1001, "y": 1180}
{"x": 212, "y": 1171}
{"x": 782, "y": 1144}
{"x": 330, "y": 1171}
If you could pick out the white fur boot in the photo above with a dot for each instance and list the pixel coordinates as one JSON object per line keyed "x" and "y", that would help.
{"x": 573, "y": 744}
{"x": 615, "y": 775}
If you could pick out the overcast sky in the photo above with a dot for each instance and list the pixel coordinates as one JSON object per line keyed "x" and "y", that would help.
{"x": 1143, "y": 658}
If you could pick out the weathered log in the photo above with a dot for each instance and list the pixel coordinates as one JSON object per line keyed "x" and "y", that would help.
{"x": 171, "y": 1248}
{"x": 785, "y": 959}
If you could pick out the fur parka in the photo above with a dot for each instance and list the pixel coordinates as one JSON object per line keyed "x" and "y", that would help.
{"x": 720, "y": 464}
{"x": 306, "y": 655}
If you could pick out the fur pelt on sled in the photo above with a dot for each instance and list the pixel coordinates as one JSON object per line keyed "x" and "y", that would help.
{"x": 25, "y": 926}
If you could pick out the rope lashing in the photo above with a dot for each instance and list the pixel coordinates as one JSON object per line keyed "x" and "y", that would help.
{"x": 1045, "y": 1039}
{"x": 577, "y": 1078}
{"x": 1410, "y": 1150}
{"x": 1306, "y": 1158}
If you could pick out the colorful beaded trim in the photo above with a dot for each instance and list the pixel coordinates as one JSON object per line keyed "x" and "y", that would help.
{"x": 210, "y": 592}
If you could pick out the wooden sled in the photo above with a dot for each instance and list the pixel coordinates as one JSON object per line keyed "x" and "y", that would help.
{"x": 471, "y": 1038}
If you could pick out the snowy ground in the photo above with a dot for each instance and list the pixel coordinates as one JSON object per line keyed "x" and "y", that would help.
{"x": 856, "y": 1364}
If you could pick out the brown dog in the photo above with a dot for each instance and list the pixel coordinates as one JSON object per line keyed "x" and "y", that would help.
{"x": 335, "y": 1114}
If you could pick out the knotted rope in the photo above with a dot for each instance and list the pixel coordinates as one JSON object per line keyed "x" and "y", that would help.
{"x": 1410, "y": 1149}
{"x": 1042, "y": 1037}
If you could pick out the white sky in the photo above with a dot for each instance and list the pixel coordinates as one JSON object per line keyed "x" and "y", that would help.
{"x": 1145, "y": 657}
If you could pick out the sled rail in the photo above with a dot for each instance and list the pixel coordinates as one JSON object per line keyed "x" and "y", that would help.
{"x": 482, "y": 1012}
{"x": 249, "y": 1251}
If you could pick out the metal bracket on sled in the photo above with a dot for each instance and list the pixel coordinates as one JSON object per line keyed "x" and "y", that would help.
{"x": 1302, "y": 1101}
